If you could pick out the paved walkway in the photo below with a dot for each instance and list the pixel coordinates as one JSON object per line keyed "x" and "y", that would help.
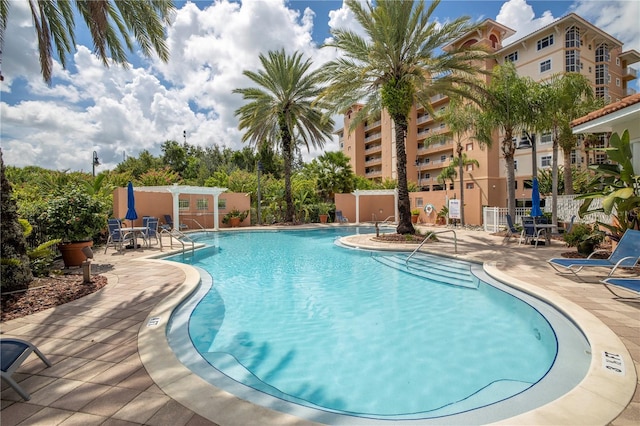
{"x": 98, "y": 376}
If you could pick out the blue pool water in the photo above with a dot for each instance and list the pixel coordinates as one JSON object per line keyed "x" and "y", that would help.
{"x": 293, "y": 315}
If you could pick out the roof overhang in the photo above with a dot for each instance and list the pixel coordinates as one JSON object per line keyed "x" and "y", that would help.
{"x": 617, "y": 121}
{"x": 182, "y": 189}
{"x": 631, "y": 56}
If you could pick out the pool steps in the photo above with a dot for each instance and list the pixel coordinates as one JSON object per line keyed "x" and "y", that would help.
{"x": 432, "y": 268}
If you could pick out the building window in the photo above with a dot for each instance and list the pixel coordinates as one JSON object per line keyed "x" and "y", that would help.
{"x": 574, "y": 157}
{"x": 545, "y": 42}
{"x": 603, "y": 93}
{"x": 617, "y": 82}
{"x": 469, "y": 167}
{"x": 602, "y": 53}
{"x": 427, "y": 175}
{"x": 572, "y": 60}
{"x": 222, "y": 204}
{"x": 545, "y": 161}
{"x": 545, "y": 65}
{"x": 618, "y": 61}
{"x": 443, "y": 158}
{"x": 470, "y": 147}
{"x": 202, "y": 204}
{"x": 572, "y": 37}
{"x": 511, "y": 57}
{"x": 469, "y": 185}
{"x": 427, "y": 160}
{"x": 419, "y": 202}
{"x": 546, "y": 138}
{"x": 527, "y": 184}
{"x": 602, "y": 72}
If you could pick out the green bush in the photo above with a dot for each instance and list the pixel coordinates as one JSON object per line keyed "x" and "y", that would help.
{"x": 584, "y": 237}
{"x": 75, "y": 216}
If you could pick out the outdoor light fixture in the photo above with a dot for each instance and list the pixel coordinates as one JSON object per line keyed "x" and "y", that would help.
{"x": 95, "y": 162}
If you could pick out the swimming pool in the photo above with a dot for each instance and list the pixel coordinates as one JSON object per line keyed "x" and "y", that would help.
{"x": 321, "y": 331}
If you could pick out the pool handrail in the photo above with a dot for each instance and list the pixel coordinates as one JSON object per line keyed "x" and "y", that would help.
{"x": 178, "y": 235}
{"x": 455, "y": 242}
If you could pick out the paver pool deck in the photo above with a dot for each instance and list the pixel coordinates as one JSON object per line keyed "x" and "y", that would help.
{"x": 112, "y": 365}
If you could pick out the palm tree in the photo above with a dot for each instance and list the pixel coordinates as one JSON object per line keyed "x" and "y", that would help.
{"x": 460, "y": 119}
{"x": 281, "y": 110}
{"x": 110, "y": 23}
{"x": 567, "y": 97}
{"x": 506, "y": 110}
{"x": 399, "y": 64}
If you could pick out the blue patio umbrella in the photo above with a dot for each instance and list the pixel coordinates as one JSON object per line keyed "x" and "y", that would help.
{"x": 535, "y": 199}
{"x": 131, "y": 204}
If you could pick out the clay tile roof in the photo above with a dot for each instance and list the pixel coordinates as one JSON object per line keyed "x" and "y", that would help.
{"x": 616, "y": 106}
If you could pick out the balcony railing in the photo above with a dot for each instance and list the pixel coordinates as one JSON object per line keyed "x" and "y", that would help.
{"x": 373, "y": 137}
{"x": 630, "y": 91}
{"x": 630, "y": 72}
{"x": 372, "y": 125}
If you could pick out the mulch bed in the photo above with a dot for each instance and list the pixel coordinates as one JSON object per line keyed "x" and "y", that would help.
{"x": 47, "y": 292}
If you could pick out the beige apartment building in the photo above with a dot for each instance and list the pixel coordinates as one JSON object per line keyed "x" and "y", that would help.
{"x": 570, "y": 44}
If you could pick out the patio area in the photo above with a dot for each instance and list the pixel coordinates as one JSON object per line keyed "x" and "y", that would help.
{"x": 102, "y": 345}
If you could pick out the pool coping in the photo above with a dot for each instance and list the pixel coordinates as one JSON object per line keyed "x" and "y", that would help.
{"x": 598, "y": 399}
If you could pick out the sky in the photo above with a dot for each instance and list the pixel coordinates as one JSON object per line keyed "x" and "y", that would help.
{"x": 120, "y": 112}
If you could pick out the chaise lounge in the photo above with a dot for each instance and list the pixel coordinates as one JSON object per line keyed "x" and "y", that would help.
{"x": 14, "y": 353}
{"x": 625, "y": 255}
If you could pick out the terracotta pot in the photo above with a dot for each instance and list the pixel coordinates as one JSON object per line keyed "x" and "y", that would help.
{"x": 414, "y": 218}
{"x": 324, "y": 218}
{"x": 234, "y": 222}
{"x": 72, "y": 254}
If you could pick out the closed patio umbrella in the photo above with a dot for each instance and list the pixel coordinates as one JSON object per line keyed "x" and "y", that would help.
{"x": 131, "y": 206}
{"x": 535, "y": 199}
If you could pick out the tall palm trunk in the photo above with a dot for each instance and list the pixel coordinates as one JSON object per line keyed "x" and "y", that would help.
{"x": 508, "y": 151}
{"x": 404, "y": 204}
{"x": 288, "y": 160}
{"x": 461, "y": 177}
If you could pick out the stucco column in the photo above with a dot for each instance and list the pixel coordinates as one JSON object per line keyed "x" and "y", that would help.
{"x": 216, "y": 213}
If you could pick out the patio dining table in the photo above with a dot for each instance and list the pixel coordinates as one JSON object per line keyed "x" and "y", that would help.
{"x": 135, "y": 230}
{"x": 547, "y": 228}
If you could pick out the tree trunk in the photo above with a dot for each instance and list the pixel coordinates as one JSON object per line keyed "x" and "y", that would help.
{"x": 554, "y": 178}
{"x": 568, "y": 179}
{"x": 461, "y": 178}
{"x": 508, "y": 151}
{"x": 404, "y": 204}
{"x": 288, "y": 158}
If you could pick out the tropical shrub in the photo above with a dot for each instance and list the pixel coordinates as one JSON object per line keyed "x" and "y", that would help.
{"x": 75, "y": 216}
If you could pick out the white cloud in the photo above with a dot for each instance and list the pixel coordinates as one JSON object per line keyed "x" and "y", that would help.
{"x": 519, "y": 16}
{"x": 116, "y": 110}
{"x": 618, "y": 18}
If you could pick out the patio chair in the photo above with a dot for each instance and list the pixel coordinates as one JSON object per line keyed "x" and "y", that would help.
{"x": 512, "y": 231}
{"x": 117, "y": 236}
{"x": 168, "y": 223}
{"x": 340, "y": 218}
{"x": 529, "y": 234}
{"x": 14, "y": 353}
{"x": 151, "y": 225}
{"x": 629, "y": 284}
{"x": 625, "y": 255}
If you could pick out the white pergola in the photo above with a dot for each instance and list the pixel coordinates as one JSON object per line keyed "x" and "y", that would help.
{"x": 616, "y": 121}
{"x": 176, "y": 190}
{"x": 363, "y": 192}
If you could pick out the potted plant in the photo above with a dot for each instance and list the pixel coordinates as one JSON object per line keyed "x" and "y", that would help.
{"x": 323, "y": 211}
{"x": 75, "y": 218}
{"x": 415, "y": 213}
{"x": 584, "y": 238}
{"x": 442, "y": 215}
{"x": 234, "y": 217}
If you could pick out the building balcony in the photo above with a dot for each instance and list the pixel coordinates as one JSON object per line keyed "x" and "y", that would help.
{"x": 372, "y": 125}
{"x": 373, "y": 148}
{"x": 424, "y": 119}
{"x": 373, "y": 161}
{"x": 373, "y": 173}
{"x": 629, "y": 73}
{"x": 373, "y": 137}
